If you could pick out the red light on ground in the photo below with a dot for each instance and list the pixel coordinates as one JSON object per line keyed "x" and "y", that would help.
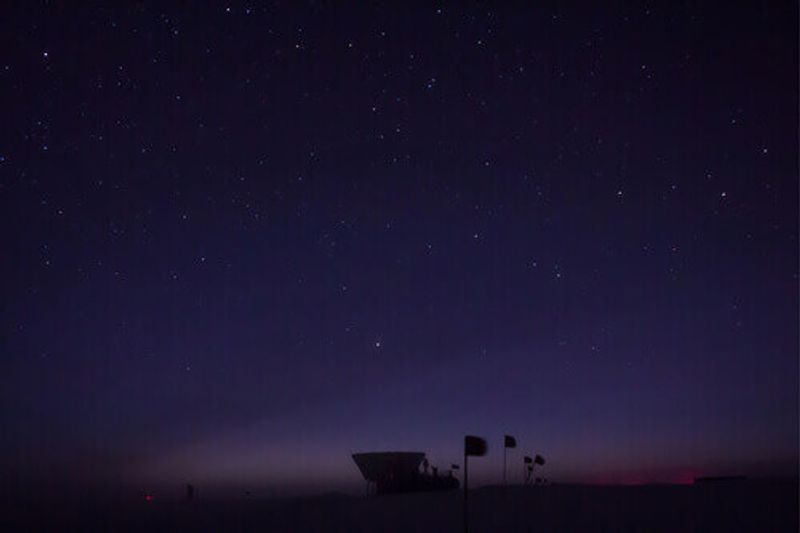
{"x": 148, "y": 497}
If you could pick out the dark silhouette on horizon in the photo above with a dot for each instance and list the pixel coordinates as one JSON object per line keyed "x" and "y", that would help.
{"x": 719, "y": 479}
{"x": 395, "y": 472}
{"x": 477, "y": 447}
{"x": 508, "y": 442}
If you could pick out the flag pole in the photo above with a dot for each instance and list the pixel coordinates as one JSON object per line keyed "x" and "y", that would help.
{"x": 472, "y": 446}
{"x": 466, "y": 474}
{"x": 504, "y": 462}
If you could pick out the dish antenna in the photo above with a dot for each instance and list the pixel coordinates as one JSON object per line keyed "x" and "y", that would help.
{"x": 527, "y": 463}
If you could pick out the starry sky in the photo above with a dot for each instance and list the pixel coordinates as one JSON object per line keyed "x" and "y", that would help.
{"x": 243, "y": 241}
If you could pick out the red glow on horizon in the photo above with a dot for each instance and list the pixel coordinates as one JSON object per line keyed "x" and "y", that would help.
{"x": 148, "y": 497}
{"x": 648, "y": 477}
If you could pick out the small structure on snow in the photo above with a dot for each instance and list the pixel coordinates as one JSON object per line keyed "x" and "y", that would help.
{"x": 392, "y": 472}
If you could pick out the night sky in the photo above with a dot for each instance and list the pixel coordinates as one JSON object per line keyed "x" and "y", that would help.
{"x": 241, "y": 242}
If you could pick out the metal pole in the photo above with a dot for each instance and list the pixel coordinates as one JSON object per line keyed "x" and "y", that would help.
{"x": 466, "y": 478}
{"x": 504, "y": 463}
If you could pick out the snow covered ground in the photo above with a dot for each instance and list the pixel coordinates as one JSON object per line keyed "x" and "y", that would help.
{"x": 738, "y": 506}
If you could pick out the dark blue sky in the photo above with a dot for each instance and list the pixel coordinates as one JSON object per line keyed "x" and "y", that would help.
{"x": 241, "y": 242}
